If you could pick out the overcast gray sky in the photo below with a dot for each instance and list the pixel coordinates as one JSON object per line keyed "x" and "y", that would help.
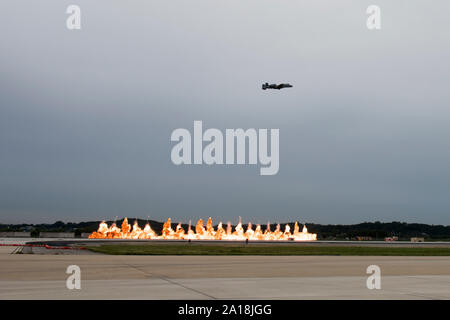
{"x": 86, "y": 116}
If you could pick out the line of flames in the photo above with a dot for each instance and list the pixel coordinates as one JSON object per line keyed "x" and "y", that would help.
{"x": 202, "y": 233}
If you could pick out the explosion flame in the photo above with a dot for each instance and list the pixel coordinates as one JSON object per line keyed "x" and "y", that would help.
{"x": 202, "y": 233}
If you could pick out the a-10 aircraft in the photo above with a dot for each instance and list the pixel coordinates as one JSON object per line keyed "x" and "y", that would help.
{"x": 276, "y": 86}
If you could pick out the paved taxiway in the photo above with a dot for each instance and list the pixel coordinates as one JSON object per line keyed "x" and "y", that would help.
{"x": 33, "y": 276}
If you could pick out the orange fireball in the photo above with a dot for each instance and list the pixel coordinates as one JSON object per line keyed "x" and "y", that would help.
{"x": 126, "y": 232}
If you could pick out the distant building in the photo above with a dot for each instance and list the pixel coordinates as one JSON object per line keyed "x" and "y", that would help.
{"x": 15, "y": 234}
{"x": 57, "y": 235}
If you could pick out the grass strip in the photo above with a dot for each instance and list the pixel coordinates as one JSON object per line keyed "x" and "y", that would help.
{"x": 269, "y": 250}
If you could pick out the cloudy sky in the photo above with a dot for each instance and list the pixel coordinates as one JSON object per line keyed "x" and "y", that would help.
{"x": 86, "y": 116}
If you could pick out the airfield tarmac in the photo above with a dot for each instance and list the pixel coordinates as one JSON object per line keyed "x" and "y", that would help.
{"x": 36, "y": 276}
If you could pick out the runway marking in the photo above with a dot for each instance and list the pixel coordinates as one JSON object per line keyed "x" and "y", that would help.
{"x": 165, "y": 278}
{"x": 17, "y": 250}
{"x": 422, "y": 296}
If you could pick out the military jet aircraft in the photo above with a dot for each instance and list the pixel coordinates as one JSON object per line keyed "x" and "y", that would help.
{"x": 276, "y": 86}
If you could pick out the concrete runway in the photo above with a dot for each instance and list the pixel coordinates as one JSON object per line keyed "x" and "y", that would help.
{"x": 33, "y": 276}
{"x": 321, "y": 243}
